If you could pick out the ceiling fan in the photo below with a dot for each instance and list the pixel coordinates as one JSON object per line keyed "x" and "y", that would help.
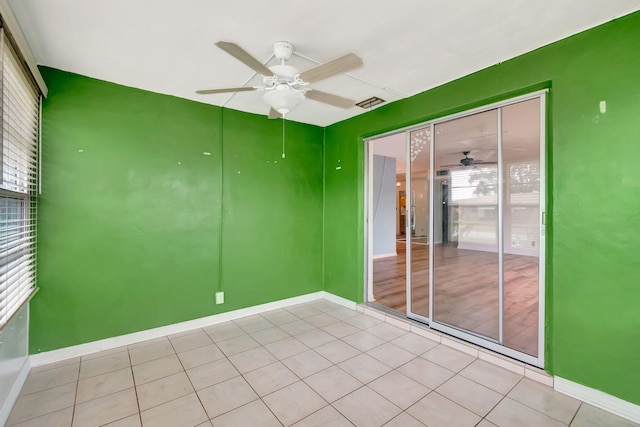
{"x": 468, "y": 161}
{"x": 284, "y": 85}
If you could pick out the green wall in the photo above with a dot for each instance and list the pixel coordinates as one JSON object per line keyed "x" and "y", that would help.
{"x": 138, "y": 228}
{"x": 593, "y": 238}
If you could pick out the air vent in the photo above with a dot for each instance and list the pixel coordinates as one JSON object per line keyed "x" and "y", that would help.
{"x": 442, "y": 172}
{"x": 371, "y": 102}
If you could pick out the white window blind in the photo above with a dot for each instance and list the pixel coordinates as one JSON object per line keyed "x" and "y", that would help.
{"x": 20, "y": 109}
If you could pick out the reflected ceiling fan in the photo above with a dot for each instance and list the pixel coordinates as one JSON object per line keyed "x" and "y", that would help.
{"x": 468, "y": 161}
{"x": 285, "y": 86}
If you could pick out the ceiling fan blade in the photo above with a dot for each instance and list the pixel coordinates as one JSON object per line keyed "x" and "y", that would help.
{"x": 273, "y": 114}
{"x": 339, "y": 65}
{"x": 225, "y": 90}
{"x": 245, "y": 57}
{"x": 328, "y": 98}
{"x": 482, "y": 162}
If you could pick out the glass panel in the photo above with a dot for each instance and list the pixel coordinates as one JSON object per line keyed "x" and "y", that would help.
{"x": 521, "y": 221}
{"x": 420, "y": 160}
{"x": 387, "y": 216}
{"x": 466, "y": 286}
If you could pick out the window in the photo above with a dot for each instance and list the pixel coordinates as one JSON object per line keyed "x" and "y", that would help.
{"x": 20, "y": 118}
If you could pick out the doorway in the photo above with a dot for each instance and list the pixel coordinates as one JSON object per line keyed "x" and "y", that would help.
{"x": 471, "y": 260}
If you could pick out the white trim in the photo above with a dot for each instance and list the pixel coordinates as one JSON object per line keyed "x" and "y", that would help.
{"x": 14, "y": 28}
{"x": 385, "y": 255}
{"x": 598, "y": 399}
{"x": 122, "y": 340}
{"x": 7, "y": 405}
{"x": 339, "y": 300}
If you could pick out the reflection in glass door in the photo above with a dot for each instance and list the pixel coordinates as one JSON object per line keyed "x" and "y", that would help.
{"x": 418, "y": 254}
{"x": 466, "y": 270}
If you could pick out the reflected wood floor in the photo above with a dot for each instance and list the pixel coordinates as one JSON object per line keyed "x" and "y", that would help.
{"x": 466, "y": 291}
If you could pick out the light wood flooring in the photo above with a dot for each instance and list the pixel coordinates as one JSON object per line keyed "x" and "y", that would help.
{"x": 466, "y": 291}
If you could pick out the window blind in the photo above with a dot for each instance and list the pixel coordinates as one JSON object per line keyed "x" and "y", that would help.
{"x": 20, "y": 110}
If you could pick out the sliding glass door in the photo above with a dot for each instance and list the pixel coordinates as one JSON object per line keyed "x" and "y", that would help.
{"x": 470, "y": 222}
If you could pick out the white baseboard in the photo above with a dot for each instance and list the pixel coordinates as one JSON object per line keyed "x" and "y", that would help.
{"x": 390, "y": 254}
{"x": 598, "y": 399}
{"x": 128, "y": 339}
{"x": 339, "y": 300}
{"x": 7, "y": 405}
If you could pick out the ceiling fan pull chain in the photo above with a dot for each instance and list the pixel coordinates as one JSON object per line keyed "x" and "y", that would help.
{"x": 283, "y": 120}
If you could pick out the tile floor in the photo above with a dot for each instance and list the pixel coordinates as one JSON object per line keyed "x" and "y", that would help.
{"x": 314, "y": 364}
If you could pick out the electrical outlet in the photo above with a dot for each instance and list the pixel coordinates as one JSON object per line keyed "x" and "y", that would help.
{"x": 219, "y": 297}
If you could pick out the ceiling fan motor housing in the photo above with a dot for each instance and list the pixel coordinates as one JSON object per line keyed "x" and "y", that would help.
{"x": 282, "y": 50}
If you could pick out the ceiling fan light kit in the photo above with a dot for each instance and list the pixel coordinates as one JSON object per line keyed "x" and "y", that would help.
{"x": 284, "y": 85}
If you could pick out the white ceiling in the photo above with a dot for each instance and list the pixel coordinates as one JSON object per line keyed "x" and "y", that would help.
{"x": 167, "y": 46}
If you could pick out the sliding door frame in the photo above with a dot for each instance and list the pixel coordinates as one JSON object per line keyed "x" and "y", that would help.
{"x": 494, "y": 345}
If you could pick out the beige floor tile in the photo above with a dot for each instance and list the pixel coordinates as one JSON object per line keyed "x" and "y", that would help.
{"x": 386, "y": 331}
{"x": 425, "y": 372}
{"x": 103, "y": 353}
{"x": 321, "y": 320}
{"x": 61, "y": 418}
{"x": 449, "y": 358}
{"x": 223, "y": 331}
{"x": 106, "y": 409}
{"x": 325, "y": 417}
{"x": 200, "y": 356}
{"x": 146, "y": 343}
{"x": 156, "y": 369}
{"x": 302, "y": 311}
{"x": 399, "y": 389}
{"x": 163, "y": 390}
{"x": 315, "y": 338}
{"x": 546, "y": 400}
{"x": 414, "y": 343}
{"x": 252, "y": 359}
{"x": 590, "y": 416}
{"x": 65, "y": 362}
{"x": 269, "y": 335}
{"x": 469, "y": 394}
{"x": 435, "y": 410}
{"x": 132, "y": 421}
{"x": 324, "y": 305}
{"x": 337, "y": 351}
{"x": 391, "y": 355}
{"x": 492, "y": 376}
{"x": 297, "y": 327}
{"x": 226, "y": 396}
{"x": 511, "y": 413}
{"x": 340, "y": 329}
{"x": 42, "y": 402}
{"x": 485, "y": 423}
{"x": 306, "y": 363}
{"x": 286, "y": 348}
{"x": 294, "y": 402}
{"x": 363, "y": 341}
{"x": 188, "y": 342}
{"x": 279, "y": 317}
{"x": 362, "y": 321}
{"x": 205, "y": 424}
{"x": 152, "y": 351}
{"x": 254, "y": 323}
{"x": 343, "y": 313}
{"x": 237, "y": 345}
{"x": 364, "y": 407}
{"x": 102, "y": 365}
{"x": 364, "y": 368}
{"x": 55, "y": 377}
{"x": 185, "y": 412}
{"x": 404, "y": 420}
{"x": 332, "y": 383}
{"x": 212, "y": 373}
{"x": 254, "y": 413}
{"x": 270, "y": 378}
{"x": 102, "y": 385}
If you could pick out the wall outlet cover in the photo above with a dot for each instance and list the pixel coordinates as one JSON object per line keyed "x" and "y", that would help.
{"x": 219, "y": 297}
